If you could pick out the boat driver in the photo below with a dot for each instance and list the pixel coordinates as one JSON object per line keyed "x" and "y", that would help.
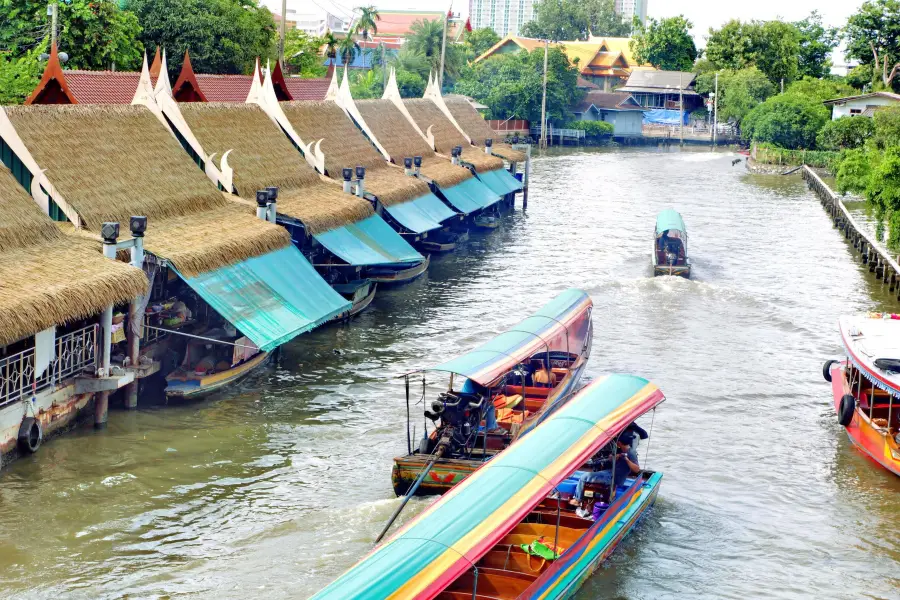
{"x": 626, "y": 465}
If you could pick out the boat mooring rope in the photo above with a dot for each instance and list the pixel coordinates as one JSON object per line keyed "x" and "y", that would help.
{"x": 200, "y": 337}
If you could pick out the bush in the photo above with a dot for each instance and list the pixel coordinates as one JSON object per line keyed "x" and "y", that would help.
{"x": 787, "y": 121}
{"x": 845, "y": 133}
{"x": 593, "y": 128}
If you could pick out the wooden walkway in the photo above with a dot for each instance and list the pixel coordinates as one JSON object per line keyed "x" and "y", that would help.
{"x": 883, "y": 265}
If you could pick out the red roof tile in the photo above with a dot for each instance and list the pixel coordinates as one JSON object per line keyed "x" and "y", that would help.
{"x": 103, "y": 87}
{"x": 225, "y": 88}
{"x": 307, "y": 89}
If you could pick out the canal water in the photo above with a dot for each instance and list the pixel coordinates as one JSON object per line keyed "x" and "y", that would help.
{"x": 275, "y": 488}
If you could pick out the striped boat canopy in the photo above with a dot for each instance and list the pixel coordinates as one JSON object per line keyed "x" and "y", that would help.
{"x": 562, "y": 325}
{"x": 449, "y": 537}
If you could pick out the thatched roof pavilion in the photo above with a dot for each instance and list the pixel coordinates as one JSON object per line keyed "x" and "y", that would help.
{"x": 427, "y": 114}
{"x": 397, "y": 135}
{"x": 111, "y": 162}
{"x": 478, "y": 129}
{"x": 48, "y": 278}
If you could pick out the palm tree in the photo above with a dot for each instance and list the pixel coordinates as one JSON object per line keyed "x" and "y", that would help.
{"x": 368, "y": 15}
{"x": 331, "y": 44}
{"x": 426, "y": 37}
{"x": 348, "y": 48}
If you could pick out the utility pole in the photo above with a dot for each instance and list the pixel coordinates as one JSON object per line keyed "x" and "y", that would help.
{"x": 716, "y": 111}
{"x": 53, "y": 11}
{"x": 681, "y": 108}
{"x": 281, "y": 41}
{"x": 443, "y": 52}
{"x": 543, "y": 143}
{"x": 383, "y": 68}
{"x": 782, "y": 85}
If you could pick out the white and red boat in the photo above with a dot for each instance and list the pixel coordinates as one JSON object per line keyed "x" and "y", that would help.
{"x": 866, "y": 385}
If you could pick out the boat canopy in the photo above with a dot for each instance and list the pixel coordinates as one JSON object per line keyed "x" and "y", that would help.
{"x": 270, "y": 298}
{"x": 470, "y": 195}
{"x": 451, "y": 535}
{"x": 369, "y": 242}
{"x": 500, "y": 181}
{"x": 669, "y": 220}
{"x": 868, "y": 338}
{"x": 422, "y": 214}
{"x": 562, "y": 325}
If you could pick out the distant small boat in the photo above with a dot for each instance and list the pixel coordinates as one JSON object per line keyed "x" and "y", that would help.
{"x": 487, "y": 221}
{"x": 360, "y": 292}
{"x": 670, "y": 245}
{"x": 527, "y": 373}
{"x": 866, "y": 386}
{"x": 508, "y": 531}
{"x": 208, "y": 366}
{"x": 389, "y": 276}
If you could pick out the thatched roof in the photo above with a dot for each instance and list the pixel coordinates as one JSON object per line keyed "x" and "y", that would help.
{"x": 47, "y": 278}
{"x": 427, "y": 114}
{"x": 111, "y": 162}
{"x": 401, "y": 139}
{"x": 21, "y": 221}
{"x": 478, "y": 129}
{"x": 263, "y": 156}
{"x": 344, "y": 145}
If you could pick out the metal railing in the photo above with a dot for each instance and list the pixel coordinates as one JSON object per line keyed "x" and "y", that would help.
{"x": 75, "y": 353}
{"x": 568, "y": 134}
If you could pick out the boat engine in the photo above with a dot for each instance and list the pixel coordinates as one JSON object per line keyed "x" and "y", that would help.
{"x": 460, "y": 415}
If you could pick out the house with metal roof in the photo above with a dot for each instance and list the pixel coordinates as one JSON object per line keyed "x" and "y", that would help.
{"x": 661, "y": 89}
{"x": 863, "y": 105}
{"x": 620, "y": 109}
{"x": 603, "y": 62}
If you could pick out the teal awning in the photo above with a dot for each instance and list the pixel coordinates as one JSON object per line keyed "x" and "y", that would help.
{"x": 369, "y": 242}
{"x": 500, "y": 181}
{"x": 271, "y": 298}
{"x": 422, "y": 214}
{"x": 669, "y": 219}
{"x": 470, "y": 195}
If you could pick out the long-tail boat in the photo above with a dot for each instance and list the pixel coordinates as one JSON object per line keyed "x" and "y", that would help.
{"x": 670, "y": 245}
{"x": 866, "y": 385}
{"x": 523, "y": 375}
{"x": 507, "y": 532}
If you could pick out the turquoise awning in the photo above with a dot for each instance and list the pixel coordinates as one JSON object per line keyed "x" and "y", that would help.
{"x": 669, "y": 219}
{"x": 422, "y": 214}
{"x": 470, "y": 195}
{"x": 270, "y": 298}
{"x": 369, "y": 242}
{"x": 500, "y": 181}
{"x": 481, "y": 193}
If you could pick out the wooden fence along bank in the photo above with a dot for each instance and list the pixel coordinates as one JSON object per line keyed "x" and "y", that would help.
{"x": 885, "y": 267}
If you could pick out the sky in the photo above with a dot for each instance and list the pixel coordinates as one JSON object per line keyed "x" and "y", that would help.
{"x": 702, "y": 13}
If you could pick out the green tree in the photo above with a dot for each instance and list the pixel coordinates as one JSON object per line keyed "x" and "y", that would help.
{"x": 426, "y": 37}
{"x": 572, "y": 20}
{"x": 367, "y": 84}
{"x": 665, "y": 44}
{"x": 348, "y": 49}
{"x": 816, "y": 44}
{"x": 223, "y": 36}
{"x": 819, "y": 90}
{"x": 873, "y": 37}
{"x": 786, "y": 120}
{"x": 861, "y": 76}
{"x": 301, "y": 54}
{"x": 19, "y": 76}
{"x": 845, "y": 133}
{"x": 411, "y": 61}
{"x": 330, "y": 43}
{"x": 479, "y": 41}
{"x": 887, "y": 128}
{"x": 771, "y": 46}
{"x": 511, "y": 85}
{"x": 367, "y": 21}
{"x": 411, "y": 85}
{"x": 739, "y": 91}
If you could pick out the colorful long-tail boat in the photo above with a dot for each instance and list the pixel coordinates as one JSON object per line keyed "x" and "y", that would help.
{"x": 522, "y": 375}
{"x": 480, "y": 540}
{"x": 866, "y": 386}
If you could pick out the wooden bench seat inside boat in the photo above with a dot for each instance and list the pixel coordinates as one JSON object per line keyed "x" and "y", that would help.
{"x": 513, "y": 558}
{"x": 494, "y": 583}
{"x": 525, "y": 533}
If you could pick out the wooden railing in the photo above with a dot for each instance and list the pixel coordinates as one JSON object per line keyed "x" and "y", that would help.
{"x": 880, "y": 262}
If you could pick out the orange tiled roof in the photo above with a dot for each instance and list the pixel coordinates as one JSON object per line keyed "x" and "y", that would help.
{"x": 592, "y": 55}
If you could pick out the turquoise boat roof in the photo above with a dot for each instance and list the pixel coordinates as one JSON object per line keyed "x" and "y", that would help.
{"x": 492, "y": 359}
{"x": 669, "y": 219}
{"x": 369, "y": 242}
{"x": 444, "y": 541}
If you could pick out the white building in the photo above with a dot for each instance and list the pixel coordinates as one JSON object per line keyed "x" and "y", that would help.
{"x": 629, "y": 9}
{"x": 505, "y": 17}
{"x": 862, "y": 106}
{"x": 317, "y": 23}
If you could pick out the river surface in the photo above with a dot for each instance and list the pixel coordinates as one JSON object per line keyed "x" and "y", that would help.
{"x": 274, "y": 488}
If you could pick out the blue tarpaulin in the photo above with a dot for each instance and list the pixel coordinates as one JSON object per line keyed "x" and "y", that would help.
{"x": 369, "y": 242}
{"x": 664, "y": 117}
{"x": 470, "y": 195}
{"x": 500, "y": 181}
{"x": 270, "y": 298}
{"x": 422, "y": 214}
